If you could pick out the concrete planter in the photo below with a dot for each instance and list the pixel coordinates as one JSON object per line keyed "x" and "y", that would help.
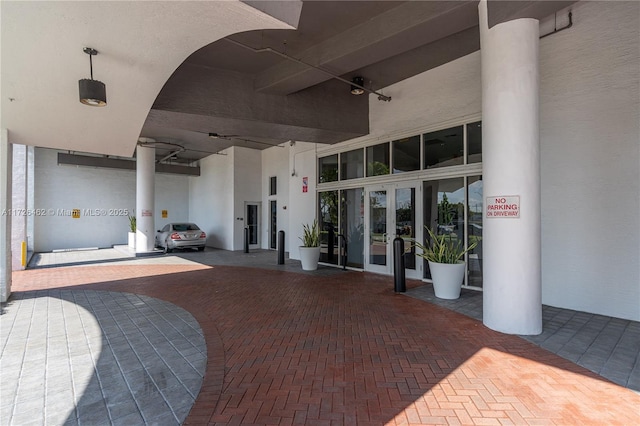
{"x": 447, "y": 279}
{"x": 132, "y": 240}
{"x": 309, "y": 257}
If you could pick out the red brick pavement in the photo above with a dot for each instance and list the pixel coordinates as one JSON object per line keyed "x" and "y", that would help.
{"x": 287, "y": 348}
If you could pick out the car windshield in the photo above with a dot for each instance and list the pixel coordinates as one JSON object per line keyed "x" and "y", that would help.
{"x": 185, "y": 227}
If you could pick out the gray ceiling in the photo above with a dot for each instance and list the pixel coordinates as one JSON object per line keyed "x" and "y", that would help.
{"x": 260, "y": 99}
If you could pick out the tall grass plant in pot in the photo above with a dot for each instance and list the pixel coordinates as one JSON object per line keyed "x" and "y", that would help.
{"x": 445, "y": 255}
{"x": 132, "y": 232}
{"x": 310, "y": 249}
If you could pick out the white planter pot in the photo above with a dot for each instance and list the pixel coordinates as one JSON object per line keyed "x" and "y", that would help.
{"x": 447, "y": 279}
{"x": 132, "y": 240}
{"x": 309, "y": 257}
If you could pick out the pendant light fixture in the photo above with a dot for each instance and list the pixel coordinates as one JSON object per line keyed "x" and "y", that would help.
{"x": 92, "y": 92}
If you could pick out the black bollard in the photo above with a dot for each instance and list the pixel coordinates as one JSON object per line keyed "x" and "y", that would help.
{"x": 246, "y": 240}
{"x": 331, "y": 244}
{"x": 398, "y": 266}
{"x": 280, "y": 247}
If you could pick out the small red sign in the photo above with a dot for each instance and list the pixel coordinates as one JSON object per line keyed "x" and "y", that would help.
{"x": 305, "y": 184}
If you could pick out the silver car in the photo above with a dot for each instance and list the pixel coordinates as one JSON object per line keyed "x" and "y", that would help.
{"x": 181, "y": 235}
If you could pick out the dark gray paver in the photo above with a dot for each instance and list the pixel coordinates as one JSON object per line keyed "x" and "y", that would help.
{"x": 607, "y": 346}
{"x": 91, "y": 357}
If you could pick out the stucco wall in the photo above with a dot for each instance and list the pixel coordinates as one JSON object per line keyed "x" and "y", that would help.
{"x": 247, "y": 188}
{"x": 302, "y": 204}
{"x": 211, "y": 199}
{"x": 61, "y": 188}
{"x": 590, "y": 141}
{"x": 275, "y": 162}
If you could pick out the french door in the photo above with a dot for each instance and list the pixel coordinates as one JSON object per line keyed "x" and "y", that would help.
{"x": 391, "y": 213}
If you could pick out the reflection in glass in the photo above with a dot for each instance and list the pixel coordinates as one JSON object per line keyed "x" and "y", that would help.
{"x": 252, "y": 223}
{"x": 378, "y": 227}
{"x": 352, "y": 224}
{"x": 328, "y": 223}
{"x": 406, "y": 154}
{"x": 444, "y": 148}
{"x": 273, "y": 224}
{"x": 474, "y": 229}
{"x": 378, "y": 159}
{"x": 444, "y": 209}
{"x": 406, "y": 223}
{"x": 474, "y": 142}
{"x": 328, "y": 167}
{"x": 352, "y": 164}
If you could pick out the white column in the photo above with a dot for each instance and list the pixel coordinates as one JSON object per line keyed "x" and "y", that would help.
{"x": 6, "y": 155}
{"x": 511, "y": 175}
{"x": 31, "y": 165}
{"x": 145, "y": 198}
{"x": 19, "y": 203}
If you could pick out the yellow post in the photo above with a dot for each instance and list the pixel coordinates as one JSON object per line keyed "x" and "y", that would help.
{"x": 24, "y": 253}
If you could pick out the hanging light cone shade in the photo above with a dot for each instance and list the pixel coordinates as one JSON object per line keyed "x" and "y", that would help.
{"x": 92, "y": 92}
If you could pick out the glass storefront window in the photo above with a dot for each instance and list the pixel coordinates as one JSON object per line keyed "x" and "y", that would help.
{"x": 444, "y": 148}
{"x": 352, "y": 224}
{"x": 474, "y": 229}
{"x": 474, "y": 142}
{"x": 378, "y": 227}
{"x": 328, "y": 223}
{"x": 378, "y": 159}
{"x": 406, "y": 223}
{"x": 406, "y": 154}
{"x": 352, "y": 164}
{"x": 444, "y": 202}
{"x": 328, "y": 168}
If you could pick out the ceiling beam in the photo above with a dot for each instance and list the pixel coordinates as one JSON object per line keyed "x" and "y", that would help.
{"x": 327, "y": 113}
{"x": 500, "y": 11}
{"x": 398, "y": 30}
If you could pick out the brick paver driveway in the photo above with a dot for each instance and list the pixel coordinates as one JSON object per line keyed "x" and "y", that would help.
{"x": 288, "y": 348}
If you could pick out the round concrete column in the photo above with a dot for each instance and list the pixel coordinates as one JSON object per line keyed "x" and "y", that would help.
{"x": 145, "y": 198}
{"x": 511, "y": 173}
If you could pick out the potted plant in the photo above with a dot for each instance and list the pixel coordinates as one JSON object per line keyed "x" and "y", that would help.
{"x": 444, "y": 254}
{"x": 310, "y": 250}
{"x": 132, "y": 232}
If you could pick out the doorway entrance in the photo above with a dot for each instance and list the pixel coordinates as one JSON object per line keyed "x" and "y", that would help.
{"x": 391, "y": 212}
{"x": 273, "y": 224}
{"x": 252, "y": 221}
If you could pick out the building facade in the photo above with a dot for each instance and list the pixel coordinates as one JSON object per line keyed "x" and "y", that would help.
{"x": 430, "y": 160}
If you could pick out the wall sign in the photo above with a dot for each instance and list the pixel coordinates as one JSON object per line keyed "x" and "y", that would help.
{"x": 305, "y": 184}
{"x": 503, "y": 206}
{"x": 165, "y": 213}
{"x": 147, "y": 213}
{"x": 75, "y": 213}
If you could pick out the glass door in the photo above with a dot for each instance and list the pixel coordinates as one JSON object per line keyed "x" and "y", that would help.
{"x": 273, "y": 224}
{"x": 405, "y": 225}
{"x": 391, "y": 212}
{"x": 376, "y": 235}
{"x": 252, "y": 222}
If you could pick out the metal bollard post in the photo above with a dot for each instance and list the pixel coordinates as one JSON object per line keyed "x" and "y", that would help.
{"x": 280, "y": 247}
{"x": 246, "y": 240}
{"x": 399, "y": 280}
{"x": 331, "y": 244}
